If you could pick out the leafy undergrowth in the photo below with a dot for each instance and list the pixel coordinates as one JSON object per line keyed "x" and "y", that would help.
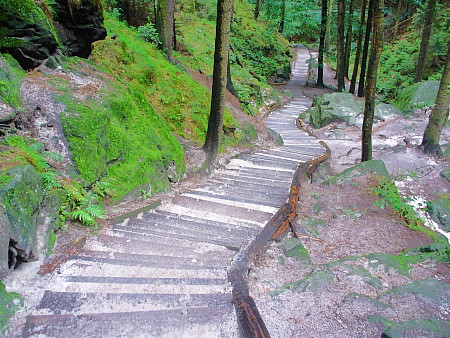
{"x": 76, "y": 203}
{"x": 258, "y": 53}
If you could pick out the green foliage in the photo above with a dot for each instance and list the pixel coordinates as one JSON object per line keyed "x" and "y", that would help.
{"x": 301, "y": 21}
{"x": 390, "y": 196}
{"x": 149, "y": 33}
{"x": 10, "y": 303}
{"x": 11, "y": 76}
{"x": 258, "y": 52}
{"x": 398, "y": 61}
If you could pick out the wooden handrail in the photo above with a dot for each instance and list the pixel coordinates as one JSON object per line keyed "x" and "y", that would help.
{"x": 250, "y": 321}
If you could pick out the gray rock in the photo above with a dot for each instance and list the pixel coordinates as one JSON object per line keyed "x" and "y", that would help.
{"x": 79, "y": 27}
{"x": 4, "y": 242}
{"x": 7, "y": 113}
{"x": 22, "y": 197}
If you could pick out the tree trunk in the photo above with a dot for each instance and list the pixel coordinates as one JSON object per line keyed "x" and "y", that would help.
{"x": 215, "y": 122}
{"x": 429, "y": 15}
{"x": 165, "y": 10}
{"x": 258, "y": 8}
{"x": 283, "y": 16}
{"x": 323, "y": 31}
{"x": 358, "y": 46}
{"x": 329, "y": 17}
{"x": 362, "y": 74}
{"x": 230, "y": 86}
{"x": 439, "y": 114}
{"x": 348, "y": 40}
{"x": 398, "y": 17}
{"x": 340, "y": 58}
{"x": 375, "y": 54}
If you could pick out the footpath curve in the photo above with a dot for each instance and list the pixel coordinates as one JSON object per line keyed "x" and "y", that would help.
{"x": 164, "y": 273}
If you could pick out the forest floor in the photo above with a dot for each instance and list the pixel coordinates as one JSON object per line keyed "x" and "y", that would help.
{"x": 349, "y": 283}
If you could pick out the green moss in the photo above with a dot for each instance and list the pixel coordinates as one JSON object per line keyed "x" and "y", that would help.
{"x": 292, "y": 247}
{"x": 316, "y": 282}
{"x": 434, "y": 290}
{"x": 11, "y": 76}
{"x": 358, "y": 296}
{"x": 361, "y": 169}
{"x": 311, "y": 224}
{"x": 10, "y": 303}
{"x": 412, "y": 328}
{"x": 120, "y": 140}
{"x": 27, "y": 11}
{"x": 399, "y": 263}
{"x": 365, "y": 275}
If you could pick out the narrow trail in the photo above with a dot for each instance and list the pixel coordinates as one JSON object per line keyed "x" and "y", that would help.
{"x": 164, "y": 272}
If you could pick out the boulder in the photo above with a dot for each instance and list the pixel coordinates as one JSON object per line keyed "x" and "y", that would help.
{"x": 342, "y": 107}
{"x": 418, "y": 95}
{"x": 439, "y": 211}
{"x": 79, "y": 26}
{"x": 26, "y": 33}
{"x": 21, "y": 196}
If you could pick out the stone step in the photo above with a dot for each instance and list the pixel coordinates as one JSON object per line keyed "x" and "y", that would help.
{"x": 232, "y": 239}
{"x": 222, "y": 209}
{"x": 193, "y": 322}
{"x": 212, "y": 261}
{"x": 79, "y": 303}
{"x": 161, "y": 219}
{"x": 105, "y": 269}
{"x": 83, "y": 284}
{"x": 137, "y": 233}
{"x": 244, "y": 196}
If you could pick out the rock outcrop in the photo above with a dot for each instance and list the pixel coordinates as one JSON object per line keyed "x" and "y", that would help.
{"x": 78, "y": 26}
{"x": 25, "y": 33}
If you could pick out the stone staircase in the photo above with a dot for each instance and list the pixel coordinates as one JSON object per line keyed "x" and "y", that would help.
{"x": 164, "y": 272}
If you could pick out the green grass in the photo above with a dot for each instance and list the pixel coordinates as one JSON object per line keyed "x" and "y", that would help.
{"x": 11, "y": 78}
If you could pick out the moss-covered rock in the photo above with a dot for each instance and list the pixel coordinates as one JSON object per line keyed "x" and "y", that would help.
{"x": 22, "y": 197}
{"x": 431, "y": 289}
{"x": 433, "y": 328}
{"x": 26, "y": 32}
{"x": 439, "y": 211}
{"x": 342, "y": 107}
{"x": 10, "y": 303}
{"x": 418, "y": 95}
{"x": 361, "y": 169}
{"x": 292, "y": 247}
{"x": 315, "y": 282}
{"x": 11, "y": 76}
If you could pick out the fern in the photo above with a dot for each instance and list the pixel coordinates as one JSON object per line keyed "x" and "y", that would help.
{"x": 84, "y": 217}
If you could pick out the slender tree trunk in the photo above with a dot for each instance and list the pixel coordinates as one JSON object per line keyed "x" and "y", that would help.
{"x": 439, "y": 114}
{"x": 348, "y": 40}
{"x": 283, "y": 16}
{"x": 429, "y": 15}
{"x": 258, "y": 8}
{"x": 362, "y": 74}
{"x": 323, "y": 31}
{"x": 165, "y": 10}
{"x": 215, "y": 122}
{"x": 230, "y": 86}
{"x": 329, "y": 17}
{"x": 340, "y": 45}
{"x": 398, "y": 17}
{"x": 358, "y": 46}
{"x": 375, "y": 54}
